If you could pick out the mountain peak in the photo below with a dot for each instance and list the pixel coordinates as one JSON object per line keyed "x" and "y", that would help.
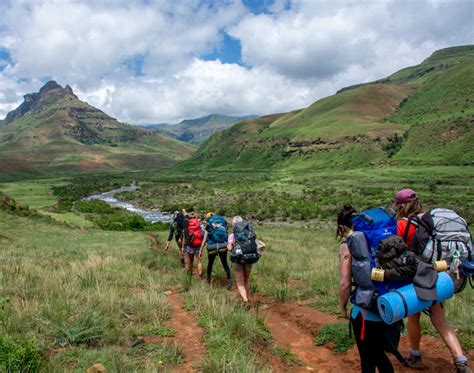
{"x": 52, "y": 84}
{"x": 35, "y": 101}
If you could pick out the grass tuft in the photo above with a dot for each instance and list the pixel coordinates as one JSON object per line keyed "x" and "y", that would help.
{"x": 336, "y": 334}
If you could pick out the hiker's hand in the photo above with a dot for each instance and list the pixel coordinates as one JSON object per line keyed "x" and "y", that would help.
{"x": 344, "y": 312}
{"x": 200, "y": 254}
{"x": 167, "y": 245}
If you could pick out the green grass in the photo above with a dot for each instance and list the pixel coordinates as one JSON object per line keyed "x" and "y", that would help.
{"x": 35, "y": 193}
{"x": 336, "y": 334}
{"x": 83, "y": 295}
{"x": 231, "y": 331}
{"x": 351, "y": 113}
{"x": 286, "y": 355}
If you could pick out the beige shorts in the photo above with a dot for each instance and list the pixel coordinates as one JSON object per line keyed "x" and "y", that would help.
{"x": 237, "y": 267}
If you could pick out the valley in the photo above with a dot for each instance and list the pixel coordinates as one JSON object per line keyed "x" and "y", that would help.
{"x": 84, "y": 282}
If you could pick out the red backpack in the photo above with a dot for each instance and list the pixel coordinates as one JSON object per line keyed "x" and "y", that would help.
{"x": 194, "y": 233}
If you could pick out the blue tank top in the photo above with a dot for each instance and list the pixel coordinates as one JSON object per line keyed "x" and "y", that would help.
{"x": 369, "y": 316}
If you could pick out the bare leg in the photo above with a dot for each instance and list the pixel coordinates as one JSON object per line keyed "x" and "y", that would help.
{"x": 189, "y": 258}
{"x": 199, "y": 265}
{"x": 414, "y": 331}
{"x": 239, "y": 279}
{"x": 247, "y": 281}
{"x": 438, "y": 320}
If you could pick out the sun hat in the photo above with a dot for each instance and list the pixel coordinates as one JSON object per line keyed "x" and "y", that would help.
{"x": 209, "y": 214}
{"x": 425, "y": 282}
{"x": 404, "y": 196}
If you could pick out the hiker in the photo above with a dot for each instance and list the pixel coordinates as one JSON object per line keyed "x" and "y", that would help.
{"x": 215, "y": 239}
{"x": 191, "y": 245}
{"x": 408, "y": 207}
{"x": 177, "y": 228}
{"x": 371, "y": 333}
{"x": 242, "y": 244}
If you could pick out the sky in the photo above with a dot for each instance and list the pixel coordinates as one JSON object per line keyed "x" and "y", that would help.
{"x": 160, "y": 61}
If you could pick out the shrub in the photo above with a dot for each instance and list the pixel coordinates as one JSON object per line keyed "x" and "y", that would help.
{"x": 19, "y": 355}
{"x": 94, "y": 207}
{"x": 87, "y": 328}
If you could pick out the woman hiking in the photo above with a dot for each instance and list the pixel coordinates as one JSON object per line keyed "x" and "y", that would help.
{"x": 369, "y": 330}
{"x": 215, "y": 239}
{"x": 192, "y": 244}
{"x": 243, "y": 247}
{"x": 407, "y": 207}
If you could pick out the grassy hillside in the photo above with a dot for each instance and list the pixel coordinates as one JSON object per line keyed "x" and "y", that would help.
{"x": 422, "y": 114}
{"x": 55, "y": 132}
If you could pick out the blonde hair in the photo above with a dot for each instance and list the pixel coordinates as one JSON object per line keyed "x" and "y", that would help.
{"x": 409, "y": 208}
{"x": 236, "y": 220}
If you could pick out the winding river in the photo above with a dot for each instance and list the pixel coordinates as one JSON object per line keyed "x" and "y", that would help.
{"x": 148, "y": 215}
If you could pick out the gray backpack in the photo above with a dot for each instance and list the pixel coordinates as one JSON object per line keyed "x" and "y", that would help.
{"x": 443, "y": 235}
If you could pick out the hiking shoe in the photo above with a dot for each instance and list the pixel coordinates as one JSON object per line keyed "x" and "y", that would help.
{"x": 208, "y": 280}
{"x": 414, "y": 362}
{"x": 461, "y": 367}
{"x": 229, "y": 284}
{"x": 247, "y": 306}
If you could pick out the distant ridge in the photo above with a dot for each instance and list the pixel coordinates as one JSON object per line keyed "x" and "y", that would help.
{"x": 198, "y": 130}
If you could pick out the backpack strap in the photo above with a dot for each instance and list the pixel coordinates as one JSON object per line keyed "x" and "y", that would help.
{"x": 404, "y": 301}
{"x": 393, "y": 348}
{"x": 412, "y": 220}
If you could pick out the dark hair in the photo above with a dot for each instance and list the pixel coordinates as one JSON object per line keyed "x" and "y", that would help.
{"x": 344, "y": 219}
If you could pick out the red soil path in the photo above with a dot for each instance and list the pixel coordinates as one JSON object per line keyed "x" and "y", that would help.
{"x": 188, "y": 335}
{"x": 294, "y": 326}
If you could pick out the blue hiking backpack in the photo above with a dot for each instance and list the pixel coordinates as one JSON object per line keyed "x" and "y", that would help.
{"x": 217, "y": 237}
{"x": 370, "y": 227}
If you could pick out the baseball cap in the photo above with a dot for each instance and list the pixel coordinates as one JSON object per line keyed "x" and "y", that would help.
{"x": 404, "y": 196}
{"x": 425, "y": 282}
{"x": 209, "y": 214}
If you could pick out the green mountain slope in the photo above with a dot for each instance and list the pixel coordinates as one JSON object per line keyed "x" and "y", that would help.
{"x": 196, "y": 131}
{"x": 422, "y": 114}
{"x": 52, "y": 131}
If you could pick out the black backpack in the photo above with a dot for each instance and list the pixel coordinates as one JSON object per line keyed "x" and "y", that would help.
{"x": 245, "y": 251}
{"x": 181, "y": 224}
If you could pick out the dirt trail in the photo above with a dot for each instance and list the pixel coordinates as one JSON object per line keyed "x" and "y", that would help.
{"x": 294, "y": 326}
{"x": 188, "y": 335}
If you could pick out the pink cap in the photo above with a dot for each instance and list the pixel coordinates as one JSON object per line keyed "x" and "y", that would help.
{"x": 404, "y": 196}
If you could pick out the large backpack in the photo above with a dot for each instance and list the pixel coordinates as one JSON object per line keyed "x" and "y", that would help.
{"x": 217, "y": 238}
{"x": 245, "y": 251}
{"x": 443, "y": 235}
{"x": 370, "y": 228}
{"x": 194, "y": 233}
{"x": 181, "y": 224}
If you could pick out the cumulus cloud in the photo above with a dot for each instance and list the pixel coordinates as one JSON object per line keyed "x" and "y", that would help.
{"x": 81, "y": 41}
{"x": 144, "y": 61}
{"x": 203, "y": 87}
{"x": 319, "y": 40}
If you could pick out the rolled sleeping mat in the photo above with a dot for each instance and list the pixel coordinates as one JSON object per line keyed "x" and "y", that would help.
{"x": 396, "y": 305}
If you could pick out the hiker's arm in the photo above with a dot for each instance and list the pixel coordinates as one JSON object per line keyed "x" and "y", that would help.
{"x": 345, "y": 273}
{"x": 204, "y": 240}
{"x": 170, "y": 237}
{"x": 171, "y": 234}
{"x": 230, "y": 243}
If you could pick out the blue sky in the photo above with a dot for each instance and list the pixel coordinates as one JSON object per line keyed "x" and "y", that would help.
{"x": 160, "y": 61}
